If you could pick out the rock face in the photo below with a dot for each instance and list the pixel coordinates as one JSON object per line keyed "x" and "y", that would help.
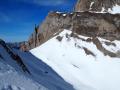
{"x": 86, "y": 23}
{"x": 97, "y": 25}
{"x": 96, "y": 5}
{"x": 53, "y": 24}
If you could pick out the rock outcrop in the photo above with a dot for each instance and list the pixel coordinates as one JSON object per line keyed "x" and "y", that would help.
{"x": 97, "y": 25}
{"x": 53, "y": 24}
{"x": 96, "y": 5}
{"x": 85, "y": 23}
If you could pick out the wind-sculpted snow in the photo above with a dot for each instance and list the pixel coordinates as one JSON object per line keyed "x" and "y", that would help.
{"x": 85, "y": 71}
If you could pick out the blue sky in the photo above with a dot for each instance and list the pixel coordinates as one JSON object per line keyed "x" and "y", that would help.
{"x": 18, "y": 17}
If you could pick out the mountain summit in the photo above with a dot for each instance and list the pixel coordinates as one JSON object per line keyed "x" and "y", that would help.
{"x": 112, "y": 6}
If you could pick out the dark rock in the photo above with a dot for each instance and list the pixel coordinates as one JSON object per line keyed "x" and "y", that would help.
{"x": 110, "y": 43}
{"x": 59, "y": 38}
{"x": 102, "y": 49}
{"x": 88, "y": 52}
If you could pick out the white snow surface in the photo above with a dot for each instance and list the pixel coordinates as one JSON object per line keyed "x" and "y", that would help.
{"x": 84, "y": 72}
{"x": 115, "y": 9}
{"x": 10, "y": 79}
{"x": 41, "y": 76}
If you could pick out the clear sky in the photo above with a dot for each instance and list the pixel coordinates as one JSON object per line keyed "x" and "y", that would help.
{"x": 18, "y": 17}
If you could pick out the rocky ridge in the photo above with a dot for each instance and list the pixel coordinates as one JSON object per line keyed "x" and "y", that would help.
{"x": 85, "y": 23}
{"x": 13, "y": 56}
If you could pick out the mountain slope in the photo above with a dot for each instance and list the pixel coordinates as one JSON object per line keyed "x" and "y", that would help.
{"x": 84, "y": 62}
{"x": 10, "y": 79}
{"x": 23, "y": 71}
{"x": 44, "y": 74}
{"x": 11, "y": 72}
{"x": 103, "y": 25}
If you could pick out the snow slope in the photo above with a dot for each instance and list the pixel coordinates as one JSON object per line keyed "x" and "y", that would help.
{"x": 10, "y": 79}
{"x": 85, "y": 71}
{"x": 44, "y": 74}
{"x": 13, "y": 74}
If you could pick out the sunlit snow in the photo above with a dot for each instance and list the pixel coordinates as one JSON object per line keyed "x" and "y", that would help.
{"x": 84, "y": 72}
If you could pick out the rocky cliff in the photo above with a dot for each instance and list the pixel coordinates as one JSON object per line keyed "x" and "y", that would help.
{"x": 54, "y": 23}
{"x": 86, "y": 23}
{"x": 97, "y": 25}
